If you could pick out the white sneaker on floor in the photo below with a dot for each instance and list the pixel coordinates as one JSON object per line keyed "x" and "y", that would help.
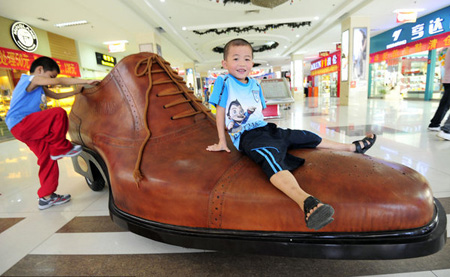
{"x": 444, "y": 135}
{"x": 435, "y": 129}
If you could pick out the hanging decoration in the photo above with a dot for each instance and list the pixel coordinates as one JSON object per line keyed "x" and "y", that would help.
{"x": 261, "y": 3}
{"x": 261, "y": 48}
{"x": 253, "y": 28}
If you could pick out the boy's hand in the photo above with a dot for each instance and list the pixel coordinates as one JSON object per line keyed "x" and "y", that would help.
{"x": 218, "y": 147}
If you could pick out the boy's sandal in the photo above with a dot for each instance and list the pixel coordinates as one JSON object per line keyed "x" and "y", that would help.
{"x": 366, "y": 142}
{"x": 320, "y": 217}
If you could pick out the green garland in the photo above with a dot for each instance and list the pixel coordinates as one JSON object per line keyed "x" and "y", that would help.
{"x": 236, "y": 1}
{"x": 257, "y": 29}
{"x": 261, "y": 48}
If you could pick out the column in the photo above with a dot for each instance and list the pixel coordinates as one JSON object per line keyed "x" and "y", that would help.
{"x": 354, "y": 60}
{"x": 431, "y": 67}
{"x": 297, "y": 75}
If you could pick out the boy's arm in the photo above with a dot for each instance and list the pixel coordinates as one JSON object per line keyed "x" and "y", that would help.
{"x": 45, "y": 81}
{"x": 50, "y": 93}
{"x": 220, "y": 123}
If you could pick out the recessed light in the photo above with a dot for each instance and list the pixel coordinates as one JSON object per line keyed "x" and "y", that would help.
{"x": 115, "y": 42}
{"x": 72, "y": 23}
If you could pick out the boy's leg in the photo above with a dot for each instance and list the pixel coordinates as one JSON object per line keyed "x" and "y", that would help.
{"x": 317, "y": 214}
{"x": 43, "y": 132}
{"x": 50, "y": 126}
{"x": 329, "y": 144}
{"x": 286, "y": 182}
{"x": 48, "y": 168}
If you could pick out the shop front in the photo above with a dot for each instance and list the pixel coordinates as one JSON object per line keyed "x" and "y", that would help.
{"x": 325, "y": 74}
{"x": 406, "y": 62}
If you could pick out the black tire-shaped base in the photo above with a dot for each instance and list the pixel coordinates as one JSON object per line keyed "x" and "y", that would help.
{"x": 92, "y": 167}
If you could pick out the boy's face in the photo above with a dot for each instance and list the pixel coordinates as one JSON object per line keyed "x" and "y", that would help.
{"x": 239, "y": 62}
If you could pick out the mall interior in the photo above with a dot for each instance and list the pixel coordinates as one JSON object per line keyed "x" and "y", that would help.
{"x": 338, "y": 68}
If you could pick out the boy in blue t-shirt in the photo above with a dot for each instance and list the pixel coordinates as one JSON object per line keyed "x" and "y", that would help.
{"x": 239, "y": 103}
{"x": 43, "y": 130}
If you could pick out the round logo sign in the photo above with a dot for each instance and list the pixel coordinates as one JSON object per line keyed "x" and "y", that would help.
{"x": 24, "y": 36}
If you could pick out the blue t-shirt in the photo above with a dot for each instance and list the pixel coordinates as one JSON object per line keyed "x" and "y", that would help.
{"x": 24, "y": 103}
{"x": 243, "y": 104}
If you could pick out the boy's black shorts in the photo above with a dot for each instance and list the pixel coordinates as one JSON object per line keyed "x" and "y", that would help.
{"x": 268, "y": 147}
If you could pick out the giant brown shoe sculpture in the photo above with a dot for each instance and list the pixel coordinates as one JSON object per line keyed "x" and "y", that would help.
{"x": 144, "y": 135}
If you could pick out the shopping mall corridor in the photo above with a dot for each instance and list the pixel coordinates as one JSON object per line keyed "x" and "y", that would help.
{"x": 79, "y": 238}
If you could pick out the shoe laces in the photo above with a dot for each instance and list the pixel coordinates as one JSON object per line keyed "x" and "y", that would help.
{"x": 144, "y": 67}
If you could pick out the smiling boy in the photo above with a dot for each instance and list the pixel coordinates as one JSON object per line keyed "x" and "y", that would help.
{"x": 263, "y": 142}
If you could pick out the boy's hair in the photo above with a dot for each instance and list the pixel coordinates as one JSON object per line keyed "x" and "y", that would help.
{"x": 235, "y": 42}
{"x": 47, "y": 63}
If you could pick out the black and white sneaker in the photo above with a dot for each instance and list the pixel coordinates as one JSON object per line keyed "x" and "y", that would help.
{"x": 434, "y": 128}
{"x": 55, "y": 199}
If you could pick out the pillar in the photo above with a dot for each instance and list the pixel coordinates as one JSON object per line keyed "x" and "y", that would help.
{"x": 354, "y": 60}
{"x": 297, "y": 75}
{"x": 431, "y": 67}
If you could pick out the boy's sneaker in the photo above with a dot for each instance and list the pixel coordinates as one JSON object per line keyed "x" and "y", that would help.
{"x": 444, "y": 135}
{"x": 75, "y": 151}
{"x": 434, "y": 128}
{"x": 55, "y": 199}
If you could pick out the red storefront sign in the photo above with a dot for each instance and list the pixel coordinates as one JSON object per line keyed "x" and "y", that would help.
{"x": 20, "y": 60}
{"x": 422, "y": 45}
{"x": 326, "y": 65}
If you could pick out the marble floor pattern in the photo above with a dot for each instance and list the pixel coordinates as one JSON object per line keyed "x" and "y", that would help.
{"x": 79, "y": 239}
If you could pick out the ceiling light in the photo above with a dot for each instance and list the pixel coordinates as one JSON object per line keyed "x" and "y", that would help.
{"x": 408, "y": 10}
{"x": 73, "y": 23}
{"x": 115, "y": 42}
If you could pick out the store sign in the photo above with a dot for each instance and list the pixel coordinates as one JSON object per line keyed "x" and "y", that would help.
{"x": 24, "y": 36}
{"x": 105, "y": 60}
{"x": 422, "y": 45}
{"x": 22, "y": 61}
{"x": 427, "y": 26}
{"x": 326, "y": 65}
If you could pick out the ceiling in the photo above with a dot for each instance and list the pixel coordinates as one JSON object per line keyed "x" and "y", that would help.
{"x": 175, "y": 21}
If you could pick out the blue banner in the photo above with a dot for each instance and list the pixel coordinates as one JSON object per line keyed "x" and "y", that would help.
{"x": 435, "y": 23}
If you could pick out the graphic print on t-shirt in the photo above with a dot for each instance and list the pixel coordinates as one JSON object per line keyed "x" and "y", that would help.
{"x": 237, "y": 116}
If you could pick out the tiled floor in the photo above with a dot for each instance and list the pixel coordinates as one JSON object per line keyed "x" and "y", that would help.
{"x": 79, "y": 239}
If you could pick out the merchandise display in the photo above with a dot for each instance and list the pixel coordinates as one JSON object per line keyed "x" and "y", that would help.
{"x": 144, "y": 136}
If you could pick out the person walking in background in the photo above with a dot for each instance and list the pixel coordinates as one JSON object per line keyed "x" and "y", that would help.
{"x": 444, "y": 104}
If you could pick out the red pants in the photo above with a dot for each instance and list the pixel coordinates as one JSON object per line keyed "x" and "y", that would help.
{"x": 45, "y": 134}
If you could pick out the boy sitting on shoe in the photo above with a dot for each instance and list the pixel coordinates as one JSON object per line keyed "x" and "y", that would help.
{"x": 239, "y": 102}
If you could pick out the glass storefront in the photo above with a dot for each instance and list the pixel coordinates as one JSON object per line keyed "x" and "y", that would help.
{"x": 327, "y": 84}
{"x": 405, "y": 77}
